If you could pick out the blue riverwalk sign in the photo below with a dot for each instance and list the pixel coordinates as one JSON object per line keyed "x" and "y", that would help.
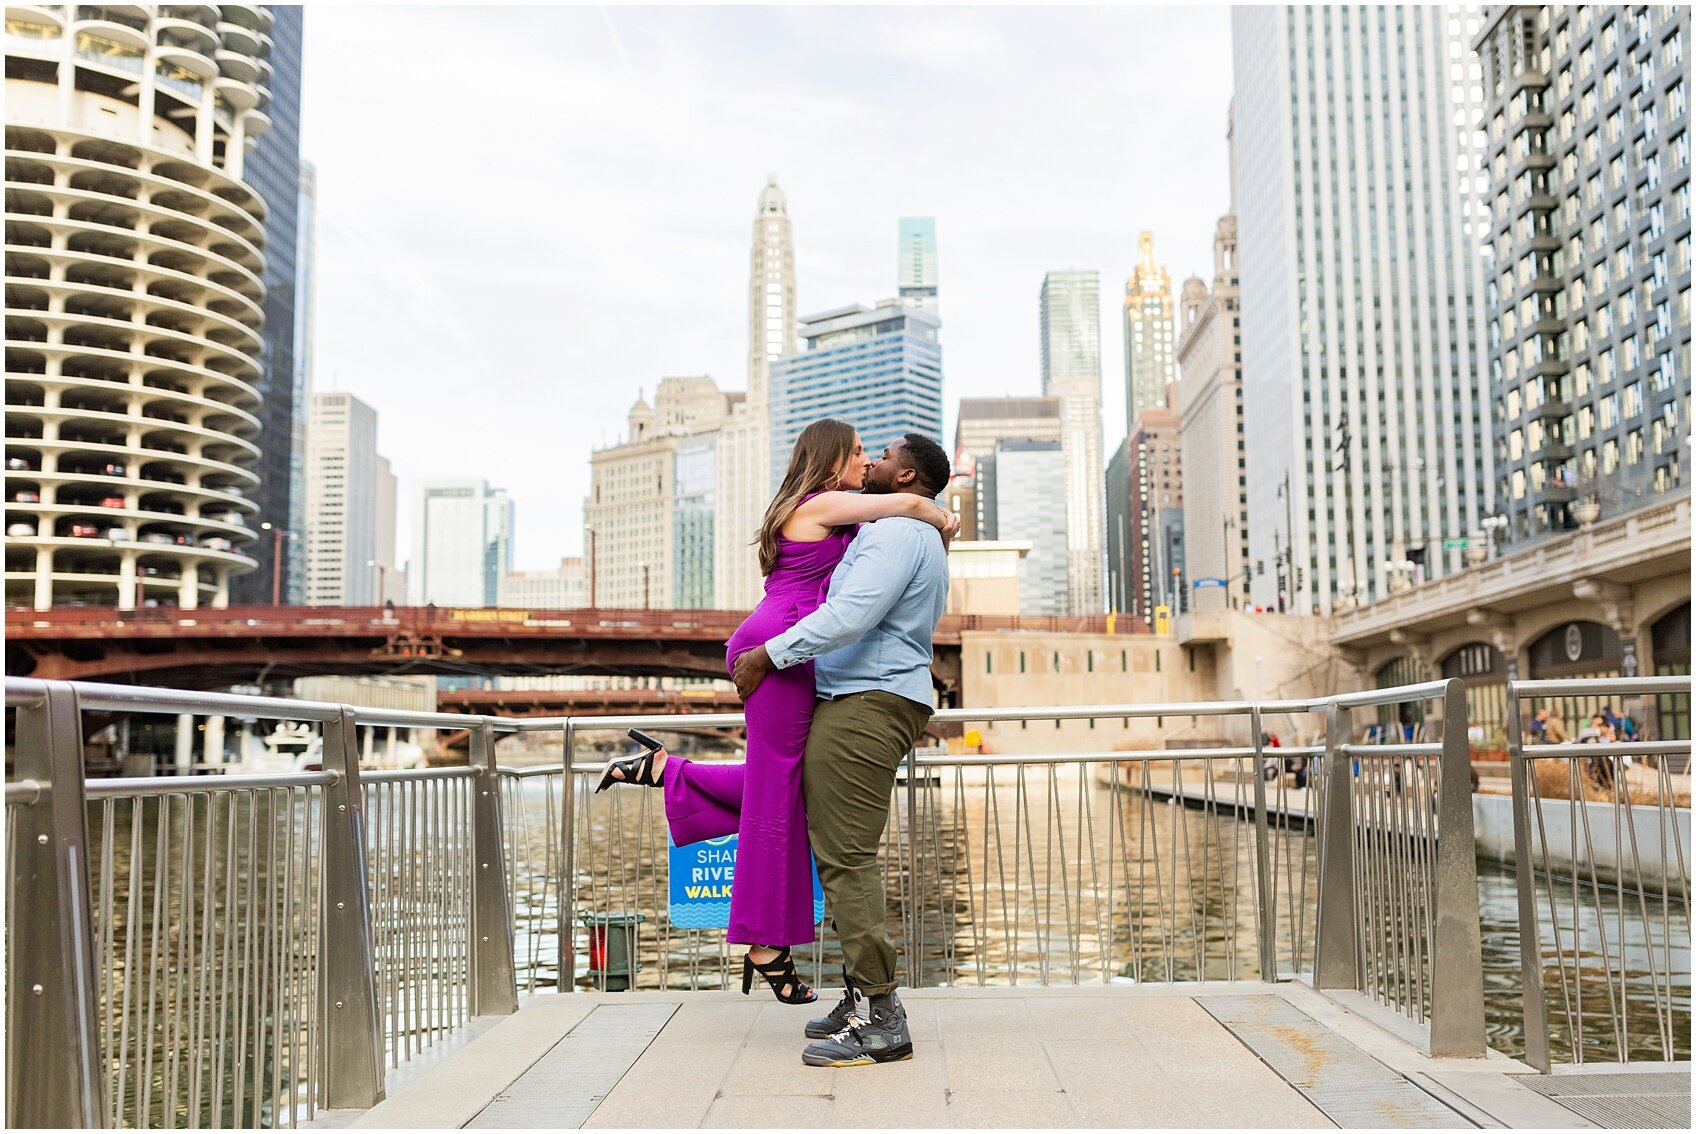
{"x": 1208, "y": 583}
{"x": 701, "y": 875}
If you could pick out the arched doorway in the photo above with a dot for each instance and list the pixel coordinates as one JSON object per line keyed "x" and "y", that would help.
{"x": 1484, "y": 671}
{"x": 1410, "y": 715}
{"x": 1572, "y": 650}
{"x": 1669, "y": 655}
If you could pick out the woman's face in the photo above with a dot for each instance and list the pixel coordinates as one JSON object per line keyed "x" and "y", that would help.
{"x": 852, "y": 472}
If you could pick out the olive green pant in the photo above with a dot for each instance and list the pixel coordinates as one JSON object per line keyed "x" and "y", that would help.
{"x": 856, "y": 744}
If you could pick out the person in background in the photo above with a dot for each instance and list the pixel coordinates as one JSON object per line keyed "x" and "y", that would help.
{"x": 1554, "y": 728}
{"x": 1539, "y": 726}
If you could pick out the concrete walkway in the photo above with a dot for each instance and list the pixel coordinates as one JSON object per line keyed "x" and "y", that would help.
{"x": 1215, "y": 1055}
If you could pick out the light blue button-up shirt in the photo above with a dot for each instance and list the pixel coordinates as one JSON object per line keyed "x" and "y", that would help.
{"x": 874, "y": 629}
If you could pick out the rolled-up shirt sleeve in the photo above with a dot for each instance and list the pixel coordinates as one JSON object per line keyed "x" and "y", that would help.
{"x": 885, "y": 558}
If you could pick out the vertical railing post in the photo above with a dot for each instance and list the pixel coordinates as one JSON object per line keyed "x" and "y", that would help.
{"x": 1457, "y": 969}
{"x": 1266, "y": 912}
{"x": 1525, "y": 883}
{"x": 350, "y": 1055}
{"x": 1336, "y": 953}
{"x": 568, "y": 865}
{"x": 915, "y": 964}
{"x": 494, "y": 981}
{"x": 55, "y": 1075}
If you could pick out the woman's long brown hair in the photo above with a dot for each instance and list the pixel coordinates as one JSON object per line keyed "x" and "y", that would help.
{"x": 819, "y": 452}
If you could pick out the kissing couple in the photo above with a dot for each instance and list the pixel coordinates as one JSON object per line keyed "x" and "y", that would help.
{"x": 834, "y": 667}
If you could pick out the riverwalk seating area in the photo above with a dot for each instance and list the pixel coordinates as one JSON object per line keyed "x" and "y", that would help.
{"x": 1143, "y": 939}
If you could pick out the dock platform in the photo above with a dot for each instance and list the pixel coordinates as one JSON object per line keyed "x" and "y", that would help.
{"x": 1225, "y": 1055}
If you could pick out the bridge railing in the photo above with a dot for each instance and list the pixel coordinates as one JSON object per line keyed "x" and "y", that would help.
{"x": 1601, "y": 845}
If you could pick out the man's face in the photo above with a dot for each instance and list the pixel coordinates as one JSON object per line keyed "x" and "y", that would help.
{"x": 885, "y": 475}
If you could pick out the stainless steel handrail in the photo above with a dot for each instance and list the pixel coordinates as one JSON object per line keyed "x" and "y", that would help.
{"x": 1600, "y": 848}
{"x": 1379, "y": 864}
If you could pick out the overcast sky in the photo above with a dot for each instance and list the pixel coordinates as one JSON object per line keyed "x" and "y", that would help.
{"x": 528, "y": 214}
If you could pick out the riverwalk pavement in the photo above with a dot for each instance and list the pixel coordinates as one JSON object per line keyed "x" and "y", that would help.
{"x": 1203, "y": 1055}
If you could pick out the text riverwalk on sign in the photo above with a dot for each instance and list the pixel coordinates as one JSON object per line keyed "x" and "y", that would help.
{"x": 701, "y": 876}
{"x": 1460, "y": 543}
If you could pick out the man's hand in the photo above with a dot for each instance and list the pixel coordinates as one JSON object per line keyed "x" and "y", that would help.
{"x": 750, "y": 669}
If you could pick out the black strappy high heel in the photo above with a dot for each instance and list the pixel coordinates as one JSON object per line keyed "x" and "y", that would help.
{"x": 638, "y": 770}
{"x": 780, "y": 974}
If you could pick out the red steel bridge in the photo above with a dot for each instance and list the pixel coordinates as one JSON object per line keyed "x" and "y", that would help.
{"x": 210, "y": 648}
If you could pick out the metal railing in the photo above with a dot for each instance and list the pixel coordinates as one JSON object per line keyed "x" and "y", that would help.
{"x": 241, "y": 950}
{"x": 1398, "y": 910}
{"x": 1600, "y": 844}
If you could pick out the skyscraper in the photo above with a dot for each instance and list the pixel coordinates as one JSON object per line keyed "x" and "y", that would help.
{"x": 306, "y": 235}
{"x": 1364, "y": 379}
{"x": 1146, "y": 558}
{"x": 1211, "y": 429}
{"x": 1021, "y": 480}
{"x": 744, "y": 442}
{"x": 461, "y": 543}
{"x": 1587, "y": 250}
{"x": 344, "y": 502}
{"x": 1149, "y": 339}
{"x": 1071, "y": 371}
{"x": 139, "y": 320}
{"x": 981, "y": 423}
{"x": 274, "y": 170}
{"x": 649, "y": 517}
{"x": 877, "y": 368}
{"x": 915, "y": 262}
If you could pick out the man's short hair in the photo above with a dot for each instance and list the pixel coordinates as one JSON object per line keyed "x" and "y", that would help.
{"x": 926, "y": 458}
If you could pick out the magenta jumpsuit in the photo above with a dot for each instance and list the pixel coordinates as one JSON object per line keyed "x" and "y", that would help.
{"x": 771, "y": 897}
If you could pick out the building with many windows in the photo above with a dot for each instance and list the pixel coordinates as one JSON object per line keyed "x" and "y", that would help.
{"x": 982, "y": 423}
{"x": 1365, "y": 380}
{"x": 138, "y": 303}
{"x": 347, "y": 487}
{"x": 1070, "y": 309}
{"x": 744, "y": 442}
{"x": 877, "y": 368}
{"x": 1212, "y": 434}
{"x": 1587, "y": 247}
{"x": 1018, "y": 484}
{"x": 1146, "y": 519}
{"x": 564, "y": 588}
{"x": 915, "y": 262}
{"x": 649, "y": 519}
{"x": 1150, "y": 334}
{"x": 273, "y": 168}
{"x": 461, "y": 543}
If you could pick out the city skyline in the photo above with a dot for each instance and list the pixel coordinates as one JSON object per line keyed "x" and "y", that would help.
{"x": 641, "y": 271}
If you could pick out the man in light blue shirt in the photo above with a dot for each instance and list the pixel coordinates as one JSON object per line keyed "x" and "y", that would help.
{"x": 870, "y": 644}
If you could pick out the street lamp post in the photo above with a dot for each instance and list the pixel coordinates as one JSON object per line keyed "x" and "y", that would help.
{"x": 589, "y": 530}
{"x": 277, "y": 533}
{"x": 382, "y": 579}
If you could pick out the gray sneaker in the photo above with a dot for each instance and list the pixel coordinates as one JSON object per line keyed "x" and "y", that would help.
{"x": 881, "y": 1037}
{"x": 853, "y": 1002}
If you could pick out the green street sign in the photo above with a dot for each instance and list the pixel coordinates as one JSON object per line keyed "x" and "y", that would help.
{"x": 1456, "y": 544}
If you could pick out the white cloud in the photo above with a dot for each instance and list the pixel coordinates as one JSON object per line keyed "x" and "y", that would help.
{"x": 526, "y": 214}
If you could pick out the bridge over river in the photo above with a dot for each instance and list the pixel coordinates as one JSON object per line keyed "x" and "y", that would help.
{"x": 213, "y": 647}
{"x": 484, "y": 946}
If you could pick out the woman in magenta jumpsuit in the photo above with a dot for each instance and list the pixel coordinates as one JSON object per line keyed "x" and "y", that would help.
{"x": 806, "y": 530}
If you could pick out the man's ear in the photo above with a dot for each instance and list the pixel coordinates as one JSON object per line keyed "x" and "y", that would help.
{"x": 906, "y": 476}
